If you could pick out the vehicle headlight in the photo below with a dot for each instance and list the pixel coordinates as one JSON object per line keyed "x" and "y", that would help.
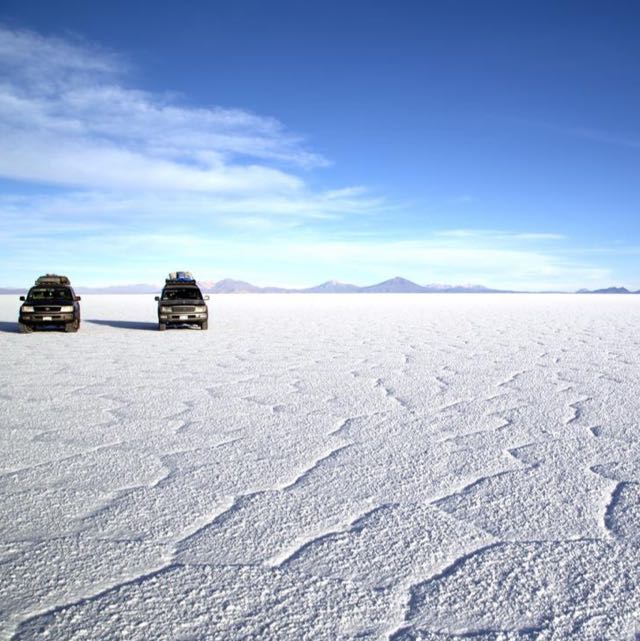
{"x": 165, "y": 310}
{"x": 27, "y": 308}
{"x": 66, "y": 308}
{"x": 201, "y": 308}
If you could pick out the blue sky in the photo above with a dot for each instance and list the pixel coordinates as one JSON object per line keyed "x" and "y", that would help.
{"x": 293, "y": 142}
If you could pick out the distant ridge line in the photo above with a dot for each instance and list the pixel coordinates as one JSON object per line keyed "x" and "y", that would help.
{"x": 396, "y": 285}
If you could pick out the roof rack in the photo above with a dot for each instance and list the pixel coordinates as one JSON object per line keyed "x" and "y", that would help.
{"x": 180, "y": 277}
{"x": 52, "y": 279}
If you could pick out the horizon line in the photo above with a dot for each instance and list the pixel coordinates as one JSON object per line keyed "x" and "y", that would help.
{"x": 237, "y": 286}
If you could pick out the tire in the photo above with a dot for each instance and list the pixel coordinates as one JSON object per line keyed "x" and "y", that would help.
{"x": 162, "y": 326}
{"x": 204, "y": 325}
{"x": 25, "y": 329}
{"x": 72, "y": 327}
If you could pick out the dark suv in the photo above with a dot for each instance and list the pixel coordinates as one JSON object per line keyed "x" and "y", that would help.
{"x": 182, "y": 303}
{"x": 51, "y": 301}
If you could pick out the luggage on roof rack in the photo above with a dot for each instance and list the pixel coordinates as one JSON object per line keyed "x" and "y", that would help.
{"x": 180, "y": 277}
{"x": 52, "y": 279}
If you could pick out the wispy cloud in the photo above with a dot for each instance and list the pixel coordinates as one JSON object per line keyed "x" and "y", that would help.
{"x": 605, "y": 137}
{"x": 110, "y": 211}
{"x": 117, "y": 155}
{"x": 463, "y": 199}
{"x": 68, "y": 118}
{"x": 498, "y": 236}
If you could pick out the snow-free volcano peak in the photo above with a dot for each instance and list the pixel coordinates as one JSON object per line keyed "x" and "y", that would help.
{"x": 395, "y": 285}
{"x": 605, "y": 290}
{"x": 231, "y": 286}
{"x": 333, "y": 287}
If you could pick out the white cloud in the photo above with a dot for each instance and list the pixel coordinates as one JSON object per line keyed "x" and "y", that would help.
{"x": 154, "y": 210}
{"x": 120, "y": 158}
{"x": 72, "y": 162}
{"x": 483, "y": 235}
{"x": 67, "y": 118}
{"x": 43, "y": 62}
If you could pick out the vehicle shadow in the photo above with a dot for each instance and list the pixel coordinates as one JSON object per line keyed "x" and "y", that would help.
{"x": 8, "y": 327}
{"x": 140, "y": 325}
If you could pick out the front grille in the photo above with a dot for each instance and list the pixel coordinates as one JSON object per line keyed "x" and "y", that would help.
{"x": 182, "y": 309}
{"x": 41, "y": 310}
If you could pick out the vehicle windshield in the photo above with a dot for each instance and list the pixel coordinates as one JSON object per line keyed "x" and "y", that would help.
{"x": 182, "y": 293}
{"x": 49, "y": 293}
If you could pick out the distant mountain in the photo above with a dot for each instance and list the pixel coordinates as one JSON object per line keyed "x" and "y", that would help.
{"x": 606, "y": 290}
{"x": 333, "y": 287}
{"x": 397, "y": 285}
{"x": 230, "y": 286}
{"x": 206, "y": 285}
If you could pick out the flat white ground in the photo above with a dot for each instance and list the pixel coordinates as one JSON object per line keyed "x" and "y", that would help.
{"x": 324, "y": 467}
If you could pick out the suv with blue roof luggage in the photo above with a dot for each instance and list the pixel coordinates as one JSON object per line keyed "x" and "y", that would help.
{"x": 182, "y": 303}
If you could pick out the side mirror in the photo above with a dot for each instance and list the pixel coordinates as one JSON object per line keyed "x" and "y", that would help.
{"x": 22, "y": 298}
{"x": 157, "y": 297}
{"x": 78, "y": 298}
{"x": 206, "y": 297}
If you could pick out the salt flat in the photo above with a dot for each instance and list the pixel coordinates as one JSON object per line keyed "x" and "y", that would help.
{"x": 432, "y": 467}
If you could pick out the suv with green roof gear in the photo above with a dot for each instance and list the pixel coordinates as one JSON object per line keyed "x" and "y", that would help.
{"x": 50, "y": 302}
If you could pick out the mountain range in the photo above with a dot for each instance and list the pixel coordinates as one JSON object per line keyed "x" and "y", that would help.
{"x": 397, "y": 285}
{"x": 607, "y": 290}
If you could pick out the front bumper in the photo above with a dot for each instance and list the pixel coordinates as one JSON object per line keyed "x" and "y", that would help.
{"x": 51, "y": 318}
{"x": 197, "y": 317}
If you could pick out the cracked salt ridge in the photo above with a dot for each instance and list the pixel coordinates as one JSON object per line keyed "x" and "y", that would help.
{"x": 489, "y": 501}
{"x": 44, "y": 586}
{"x": 387, "y": 548}
{"x": 576, "y": 406}
{"x": 585, "y": 366}
{"x": 560, "y": 588}
{"x": 213, "y": 606}
{"x": 236, "y": 504}
{"x": 286, "y": 558}
{"x": 27, "y": 618}
{"x": 391, "y": 394}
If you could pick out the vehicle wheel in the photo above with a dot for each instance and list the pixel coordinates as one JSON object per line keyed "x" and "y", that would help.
{"x": 25, "y": 329}
{"x": 162, "y": 326}
{"x": 71, "y": 327}
{"x": 204, "y": 325}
